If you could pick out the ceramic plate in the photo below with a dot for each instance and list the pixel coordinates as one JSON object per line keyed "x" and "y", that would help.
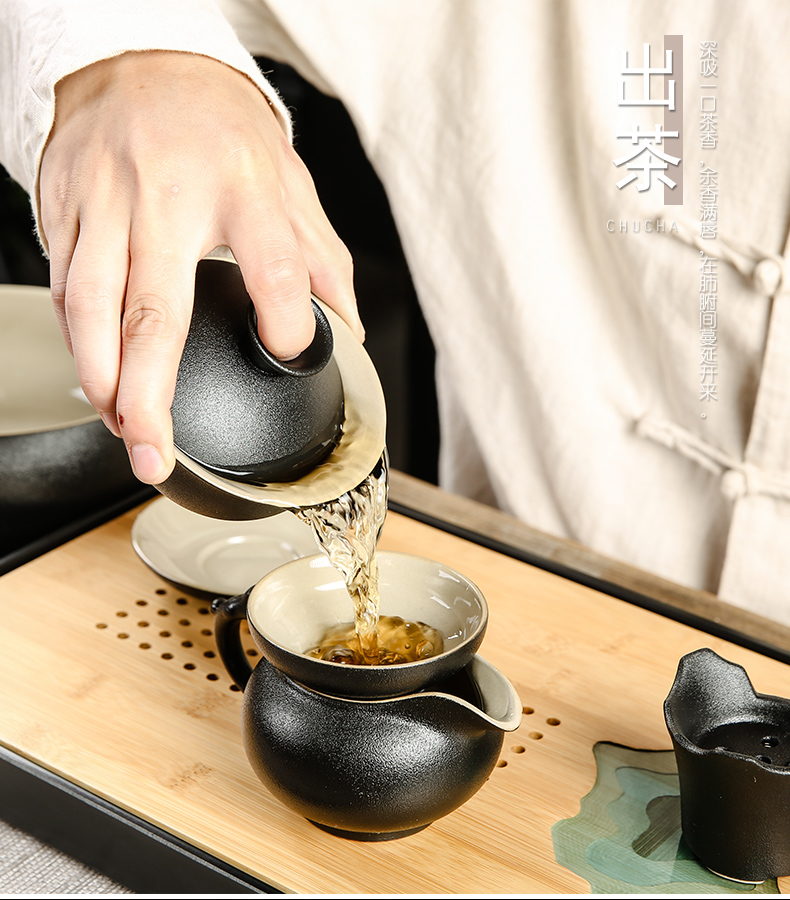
{"x": 213, "y": 556}
{"x": 39, "y": 388}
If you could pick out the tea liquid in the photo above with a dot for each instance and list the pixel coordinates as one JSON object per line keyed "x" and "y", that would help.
{"x": 399, "y": 641}
{"x": 347, "y": 530}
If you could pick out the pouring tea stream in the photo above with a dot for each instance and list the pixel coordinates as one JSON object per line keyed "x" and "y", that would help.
{"x": 400, "y": 745}
{"x": 255, "y": 435}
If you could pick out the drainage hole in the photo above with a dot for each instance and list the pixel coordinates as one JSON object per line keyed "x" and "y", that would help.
{"x": 769, "y": 741}
{"x": 206, "y": 631}
{"x": 142, "y": 624}
{"x": 235, "y": 687}
{"x": 204, "y": 610}
{"x": 518, "y": 749}
{"x": 765, "y": 759}
{"x": 501, "y": 763}
{"x": 167, "y": 656}
{"x": 142, "y": 602}
{"x": 163, "y": 612}
{"x": 527, "y": 710}
{"x": 160, "y": 591}
{"x": 121, "y": 614}
{"x": 123, "y": 635}
{"x": 164, "y": 634}
{"x": 252, "y": 653}
{"x": 212, "y": 676}
{"x": 552, "y": 721}
{"x": 209, "y": 654}
{"x": 189, "y": 665}
{"x": 182, "y": 601}
{"x": 145, "y": 646}
{"x": 101, "y": 624}
{"x": 536, "y": 735}
{"x": 186, "y": 643}
{"x": 183, "y": 621}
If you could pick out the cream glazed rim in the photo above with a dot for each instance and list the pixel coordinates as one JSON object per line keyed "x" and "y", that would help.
{"x": 502, "y": 707}
{"x": 39, "y": 387}
{"x": 322, "y": 599}
{"x": 216, "y": 556}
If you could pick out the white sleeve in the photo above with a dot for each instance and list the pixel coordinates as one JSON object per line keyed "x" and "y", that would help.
{"x": 42, "y": 41}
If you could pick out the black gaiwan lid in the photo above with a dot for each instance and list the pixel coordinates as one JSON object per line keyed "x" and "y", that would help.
{"x": 240, "y": 412}
{"x": 218, "y": 488}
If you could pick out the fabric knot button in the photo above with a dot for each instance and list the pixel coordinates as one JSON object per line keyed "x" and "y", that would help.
{"x": 767, "y": 276}
{"x": 733, "y": 484}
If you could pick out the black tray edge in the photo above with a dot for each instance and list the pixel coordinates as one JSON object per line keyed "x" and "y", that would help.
{"x": 62, "y": 535}
{"x": 132, "y": 852}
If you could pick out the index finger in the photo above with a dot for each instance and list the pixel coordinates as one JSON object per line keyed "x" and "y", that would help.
{"x": 155, "y": 323}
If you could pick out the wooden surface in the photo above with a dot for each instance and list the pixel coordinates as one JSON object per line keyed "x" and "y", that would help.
{"x": 477, "y": 517}
{"x": 160, "y": 736}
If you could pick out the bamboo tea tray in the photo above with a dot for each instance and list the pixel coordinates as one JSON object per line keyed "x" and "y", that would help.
{"x": 111, "y": 681}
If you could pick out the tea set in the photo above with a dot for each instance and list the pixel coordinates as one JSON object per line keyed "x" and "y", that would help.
{"x": 373, "y": 753}
{"x": 366, "y": 752}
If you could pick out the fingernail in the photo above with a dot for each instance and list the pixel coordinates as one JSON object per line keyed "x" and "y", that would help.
{"x": 111, "y": 421}
{"x": 288, "y": 358}
{"x": 147, "y": 463}
{"x": 359, "y": 329}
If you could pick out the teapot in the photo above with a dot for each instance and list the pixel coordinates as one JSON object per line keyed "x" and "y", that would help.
{"x": 254, "y": 435}
{"x": 367, "y": 752}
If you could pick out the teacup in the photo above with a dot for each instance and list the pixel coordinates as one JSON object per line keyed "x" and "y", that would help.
{"x": 290, "y": 609}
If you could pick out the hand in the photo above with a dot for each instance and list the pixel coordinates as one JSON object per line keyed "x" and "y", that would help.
{"x": 155, "y": 159}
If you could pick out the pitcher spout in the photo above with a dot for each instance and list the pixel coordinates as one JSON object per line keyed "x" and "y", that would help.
{"x": 493, "y": 698}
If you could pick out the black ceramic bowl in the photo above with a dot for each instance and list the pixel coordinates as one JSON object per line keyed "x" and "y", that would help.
{"x": 291, "y": 607}
{"x": 58, "y": 461}
{"x": 373, "y": 770}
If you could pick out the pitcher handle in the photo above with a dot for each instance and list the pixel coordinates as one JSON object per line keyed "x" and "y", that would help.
{"x": 229, "y": 613}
